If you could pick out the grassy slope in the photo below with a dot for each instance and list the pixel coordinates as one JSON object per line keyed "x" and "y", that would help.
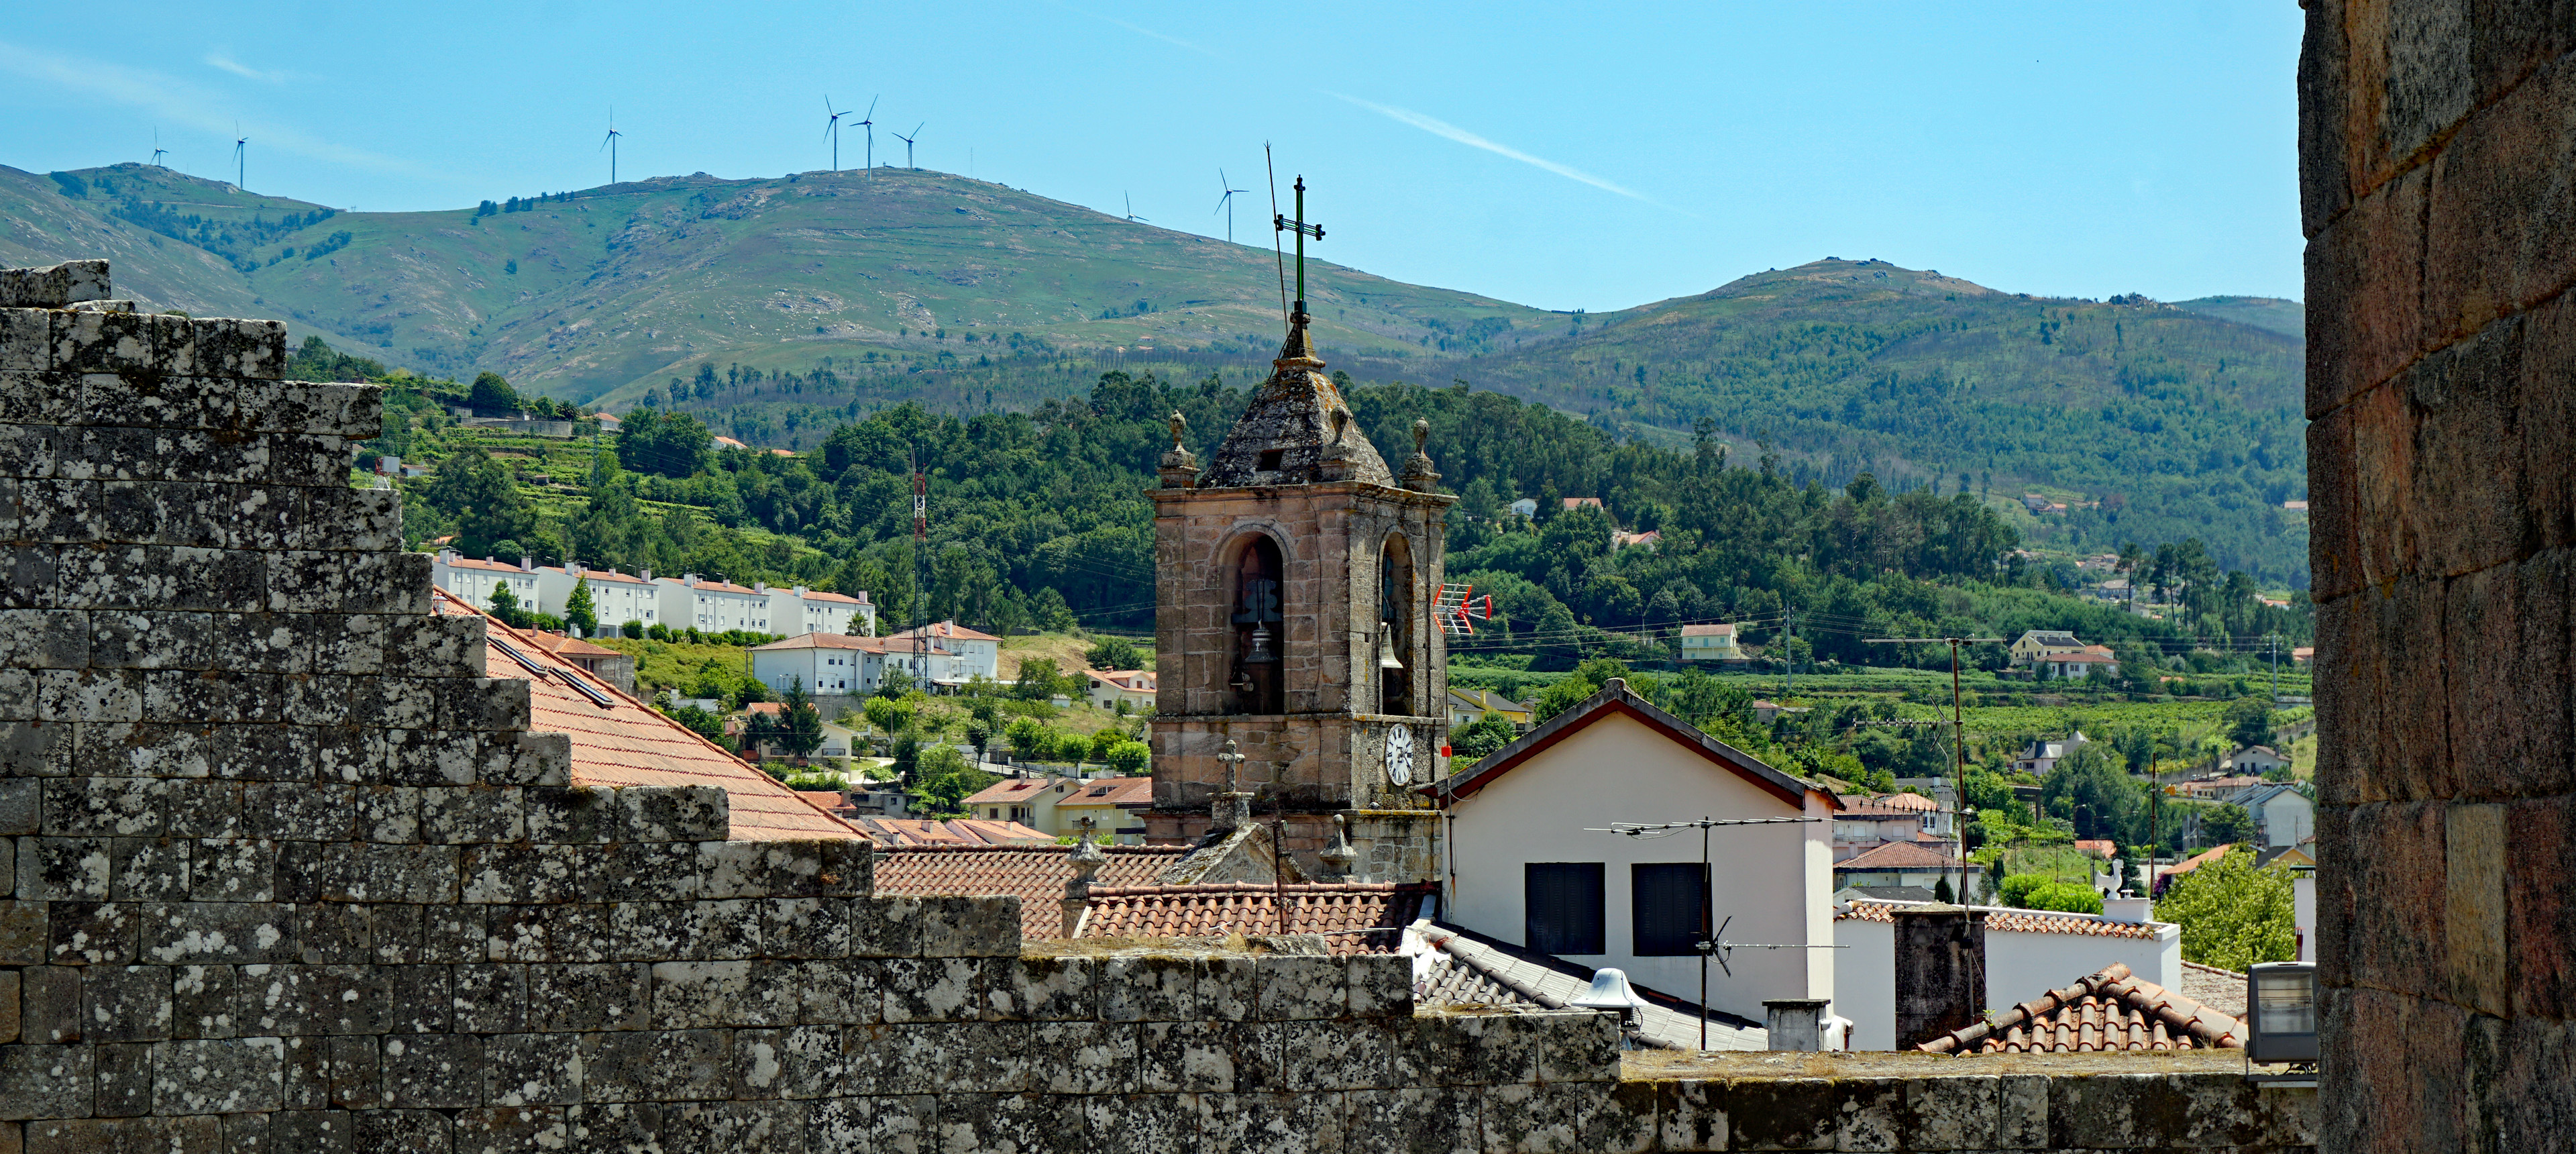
{"x": 39, "y": 225}
{"x": 636, "y": 281}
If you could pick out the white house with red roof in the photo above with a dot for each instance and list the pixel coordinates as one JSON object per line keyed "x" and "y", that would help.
{"x": 617, "y": 597}
{"x": 1110, "y": 686}
{"x": 977, "y": 654}
{"x": 830, "y": 664}
{"x": 2027, "y": 951}
{"x": 1531, "y": 860}
{"x": 801, "y": 610}
{"x": 1711, "y": 642}
{"x": 475, "y": 581}
{"x": 705, "y": 604}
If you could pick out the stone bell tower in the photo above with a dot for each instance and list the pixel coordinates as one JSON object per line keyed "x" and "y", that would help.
{"x": 1295, "y": 582}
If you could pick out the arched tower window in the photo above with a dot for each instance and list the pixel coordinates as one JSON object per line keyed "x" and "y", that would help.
{"x": 1255, "y": 686}
{"x": 1395, "y": 610}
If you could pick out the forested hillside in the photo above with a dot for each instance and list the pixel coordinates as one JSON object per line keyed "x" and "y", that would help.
{"x": 776, "y": 310}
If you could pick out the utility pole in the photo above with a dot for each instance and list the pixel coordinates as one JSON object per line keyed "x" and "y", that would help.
{"x": 1958, "y": 737}
{"x": 1789, "y": 650}
{"x": 920, "y": 575}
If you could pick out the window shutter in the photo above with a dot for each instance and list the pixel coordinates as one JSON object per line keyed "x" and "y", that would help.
{"x": 1566, "y": 910}
{"x": 1669, "y": 906}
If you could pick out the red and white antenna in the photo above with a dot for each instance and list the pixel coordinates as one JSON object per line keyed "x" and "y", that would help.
{"x": 1457, "y": 607}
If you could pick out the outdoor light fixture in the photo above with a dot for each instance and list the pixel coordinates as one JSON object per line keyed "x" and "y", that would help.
{"x": 1610, "y": 991}
{"x": 2281, "y": 1012}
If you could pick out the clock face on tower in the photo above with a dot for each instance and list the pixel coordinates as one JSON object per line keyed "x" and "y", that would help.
{"x": 1399, "y": 754}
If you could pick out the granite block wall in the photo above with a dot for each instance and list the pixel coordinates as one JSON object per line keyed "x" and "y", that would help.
{"x": 2437, "y": 152}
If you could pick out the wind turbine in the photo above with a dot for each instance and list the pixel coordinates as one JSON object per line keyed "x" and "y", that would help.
{"x": 869, "y": 122}
{"x": 832, "y": 128}
{"x": 157, "y": 151}
{"x": 1131, "y": 209}
{"x": 241, "y": 163}
{"x": 907, "y": 146}
{"x": 1225, "y": 204}
{"x": 610, "y": 143}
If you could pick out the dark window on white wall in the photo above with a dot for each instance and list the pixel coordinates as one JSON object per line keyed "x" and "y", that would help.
{"x": 1566, "y": 909}
{"x": 1669, "y": 907}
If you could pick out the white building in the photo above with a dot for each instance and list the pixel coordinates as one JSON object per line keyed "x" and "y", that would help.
{"x": 2043, "y": 756}
{"x": 1111, "y": 686}
{"x": 1530, "y": 868}
{"x": 1710, "y": 643}
{"x": 834, "y": 664}
{"x": 617, "y": 597}
{"x": 474, "y": 581}
{"x": 977, "y": 654}
{"x": 2254, "y": 760}
{"x": 2282, "y": 815}
{"x": 710, "y": 606}
{"x": 2026, "y": 951}
{"x": 801, "y": 610}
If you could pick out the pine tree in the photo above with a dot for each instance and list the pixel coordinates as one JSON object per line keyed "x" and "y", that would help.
{"x": 505, "y": 604}
{"x": 579, "y": 610}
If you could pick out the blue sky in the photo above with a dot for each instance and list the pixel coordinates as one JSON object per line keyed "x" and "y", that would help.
{"x": 1565, "y": 156}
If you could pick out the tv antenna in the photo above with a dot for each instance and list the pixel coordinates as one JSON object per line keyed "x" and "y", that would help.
{"x": 869, "y": 122}
{"x": 1131, "y": 208}
{"x": 610, "y": 143}
{"x": 832, "y": 128}
{"x": 1712, "y": 941}
{"x": 907, "y": 146}
{"x": 1225, "y": 203}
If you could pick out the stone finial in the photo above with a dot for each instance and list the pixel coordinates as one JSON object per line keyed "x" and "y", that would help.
{"x": 1180, "y": 466}
{"x": 1337, "y": 462}
{"x": 1086, "y": 860}
{"x": 1233, "y": 808}
{"x": 1337, "y": 857}
{"x": 1419, "y": 474}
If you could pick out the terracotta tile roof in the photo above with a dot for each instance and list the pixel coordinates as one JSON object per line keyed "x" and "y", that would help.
{"x": 1033, "y": 873}
{"x": 1898, "y": 855}
{"x": 1874, "y": 809}
{"x": 1013, "y": 789}
{"x": 1118, "y": 678}
{"x": 2111, "y": 1010}
{"x": 949, "y": 629}
{"x": 820, "y": 595}
{"x": 2003, "y": 920}
{"x": 2220, "y": 990}
{"x": 1355, "y": 917}
{"x": 826, "y": 800}
{"x": 628, "y": 743}
{"x": 486, "y": 564}
{"x": 1460, "y": 967}
{"x": 1617, "y": 698}
{"x": 1113, "y": 791}
{"x": 1721, "y": 630}
{"x": 569, "y": 646}
{"x": 705, "y": 585}
{"x": 846, "y": 641}
{"x": 1912, "y": 801}
{"x": 917, "y": 831}
{"x": 610, "y": 575}
{"x": 2098, "y": 847}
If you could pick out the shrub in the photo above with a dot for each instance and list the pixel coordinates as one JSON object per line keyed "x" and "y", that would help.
{"x": 2066, "y": 897}
{"x": 2017, "y": 889}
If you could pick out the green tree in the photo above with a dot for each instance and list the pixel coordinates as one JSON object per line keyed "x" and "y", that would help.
{"x": 481, "y": 501}
{"x": 505, "y": 604}
{"x": 1038, "y": 680}
{"x": 492, "y": 396}
{"x": 579, "y": 610}
{"x": 2227, "y": 825}
{"x": 668, "y": 444}
{"x": 1104, "y": 740}
{"x": 906, "y": 751}
{"x": 1131, "y": 758}
{"x": 702, "y": 723}
{"x": 887, "y": 715}
{"x": 1478, "y": 739}
{"x": 1030, "y": 741}
{"x": 1112, "y": 653}
{"x": 2232, "y": 915}
{"x": 800, "y": 726}
{"x": 2249, "y": 721}
{"x": 946, "y": 781}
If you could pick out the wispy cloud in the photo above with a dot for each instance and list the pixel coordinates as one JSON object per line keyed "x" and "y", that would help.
{"x": 1443, "y": 128}
{"x": 173, "y": 101}
{"x": 246, "y": 72}
{"x": 1140, "y": 30}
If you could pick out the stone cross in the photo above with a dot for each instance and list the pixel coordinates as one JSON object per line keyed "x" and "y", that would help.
{"x": 1233, "y": 807}
{"x": 1086, "y": 860}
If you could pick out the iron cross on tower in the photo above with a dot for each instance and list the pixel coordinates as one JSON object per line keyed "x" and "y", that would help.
{"x": 1303, "y": 230}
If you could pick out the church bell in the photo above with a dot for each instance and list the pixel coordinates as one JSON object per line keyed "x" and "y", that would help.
{"x": 1386, "y": 658}
{"x": 1261, "y": 653}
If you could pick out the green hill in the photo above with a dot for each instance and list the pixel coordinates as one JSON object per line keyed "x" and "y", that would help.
{"x": 780, "y": 308}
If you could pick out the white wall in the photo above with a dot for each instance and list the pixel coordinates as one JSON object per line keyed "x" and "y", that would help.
{"x": 2019, "y": 967}
{"x": 1775, "y": 881}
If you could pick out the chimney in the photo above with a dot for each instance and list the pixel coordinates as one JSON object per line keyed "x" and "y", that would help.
{"x": 646, "y": 574}
{"x": 1795, "y": 1024}
{"x": 527, "y": 564}
{"x": 1940, "y": 971}
{"x": 2124, "y": 908}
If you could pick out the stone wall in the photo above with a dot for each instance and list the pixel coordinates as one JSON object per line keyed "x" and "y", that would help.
{"x": 2438, "y": 184}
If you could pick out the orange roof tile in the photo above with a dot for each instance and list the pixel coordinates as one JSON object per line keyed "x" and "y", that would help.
{"x": 1913, "y": 801}
{"x": 1035, "y": 873}
{"x": 2013, "y": 921}
{"x": 820, "y": 595}
{"x": 1012, "y": 789}
{"x": 1724, "y": 629}
{"x": 1898, "y": 855}
{"x": 949, "y": 629}
{"x": 845, "y": 641}
{"x": 573, "y": 646}
{"x": 1356, "y": 917}
{"x": 2110, "y": 1010}
{"x": 915, "y": 831}
{"x": 603, "y": 575}
{"x": 485, "y": 564}
{"x": 1113, "y": 791}
{"x": 627, "y": 743}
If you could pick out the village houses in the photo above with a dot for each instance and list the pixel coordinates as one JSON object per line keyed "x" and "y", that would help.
{"x": 1111, "y": 688}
